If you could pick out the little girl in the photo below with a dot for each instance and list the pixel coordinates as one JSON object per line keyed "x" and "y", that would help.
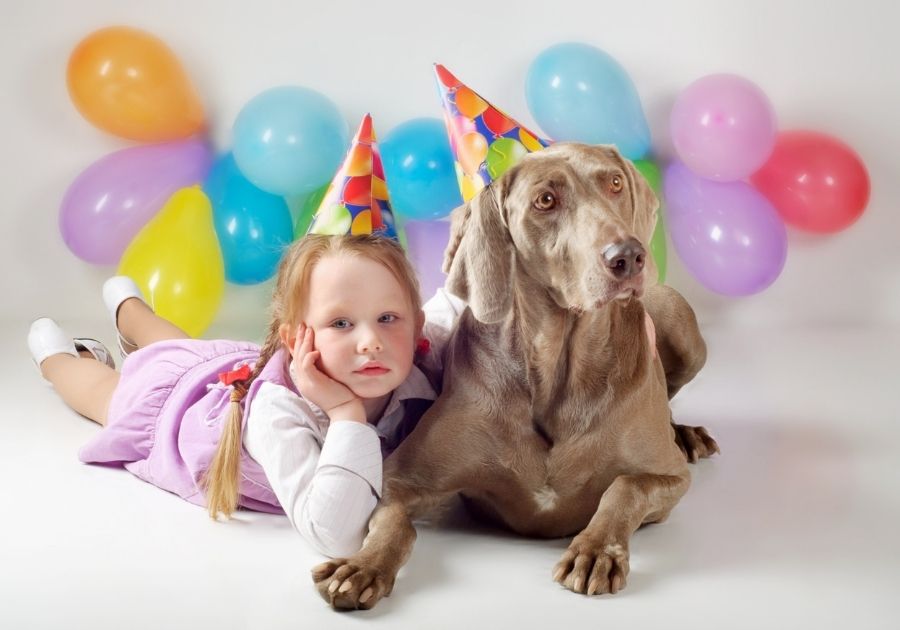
{"x": 299, "y": 425}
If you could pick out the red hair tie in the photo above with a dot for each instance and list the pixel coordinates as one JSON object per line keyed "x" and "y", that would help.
{"x": 423, "y": 346}
{"x": 240, "y": 374}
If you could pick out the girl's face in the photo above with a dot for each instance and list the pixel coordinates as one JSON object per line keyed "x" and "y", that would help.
{"x": 365, "y": 327}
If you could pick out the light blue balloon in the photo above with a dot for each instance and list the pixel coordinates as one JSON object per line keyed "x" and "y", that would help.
{"x": 578, "y": 92}
{"x": 289, "y": 140}
{"x": 253, "y": 226}
{"x": 418, "y": 167}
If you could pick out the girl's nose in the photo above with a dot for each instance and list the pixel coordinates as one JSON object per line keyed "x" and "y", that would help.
{"x": 374, "y": 346}
{"x": 370, "y": 342}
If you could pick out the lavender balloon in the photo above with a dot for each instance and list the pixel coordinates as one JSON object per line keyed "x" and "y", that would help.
{"x": 723, "y": 127}
{"x": 108, "y": 204}
{"x": 727, "y": 234}
{"x": 426, "y": 242}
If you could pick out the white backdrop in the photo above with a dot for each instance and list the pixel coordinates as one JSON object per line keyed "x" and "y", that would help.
{"x": 825, "y": 67}
{"x": 793, "y": 526}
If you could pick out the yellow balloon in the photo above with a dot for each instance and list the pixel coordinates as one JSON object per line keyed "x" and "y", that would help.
{"x": 176, "y": 261}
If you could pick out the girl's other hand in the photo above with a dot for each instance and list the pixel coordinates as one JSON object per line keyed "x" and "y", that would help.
{"x": 333, "y": 397}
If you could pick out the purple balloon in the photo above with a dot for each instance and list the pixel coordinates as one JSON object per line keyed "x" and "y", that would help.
{"x": 723, "y": 127}
{"x": 727, "y": 234}
{"x": 425, "y": 244}
{"x": 108, "y": 204}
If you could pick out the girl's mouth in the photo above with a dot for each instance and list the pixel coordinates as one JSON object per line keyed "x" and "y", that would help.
{"x": 372, "y": 369}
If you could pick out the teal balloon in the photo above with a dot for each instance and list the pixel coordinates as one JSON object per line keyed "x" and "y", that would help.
{"x": 252, "y": 225}
{"x": 580, "y": 93}
{"x": 288, "y": 140}
{"x": 419, "y": 170}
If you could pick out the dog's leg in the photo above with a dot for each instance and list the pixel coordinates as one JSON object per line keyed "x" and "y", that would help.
{"x": 597, "y": 559}
{"x": 420, "y": 474}
{"x": 679, "y": 343}
{"x": 682, "y": 352}
{"x": 695, "y": 442}
{"x": 361, "y": 581}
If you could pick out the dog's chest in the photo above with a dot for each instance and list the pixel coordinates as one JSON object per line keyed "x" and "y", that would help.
{"x": 551, "y": 484}
{"x": 567, "y": 413}
{"x": 548, "y": 493}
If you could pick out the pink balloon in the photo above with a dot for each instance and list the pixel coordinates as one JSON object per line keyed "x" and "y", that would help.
{"x": 723, "y": 127}
{"x": 108, "y": 204}
{"x": 426, "y": 242}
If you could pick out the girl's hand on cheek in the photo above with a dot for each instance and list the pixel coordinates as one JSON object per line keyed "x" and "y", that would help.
{"x": 333, "y": 397}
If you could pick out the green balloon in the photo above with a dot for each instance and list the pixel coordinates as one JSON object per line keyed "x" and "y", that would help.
{"x": 305, "y": 209}
{"x": 651, "y": 173}
{"x": 334, "y": 220}
{"x": 502, "y": 155}
{"x": 658, "y": 248}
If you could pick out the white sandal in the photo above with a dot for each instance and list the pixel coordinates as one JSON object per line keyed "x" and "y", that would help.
{"x": 46, "y": 338}
{"x": 115, "y": 291}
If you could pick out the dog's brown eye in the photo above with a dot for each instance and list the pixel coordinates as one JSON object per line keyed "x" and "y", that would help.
{"x": 545, "y": 201}
{"x": 616, "y": 184}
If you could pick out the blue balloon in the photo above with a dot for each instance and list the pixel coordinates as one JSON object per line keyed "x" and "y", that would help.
{"x": 578, "y": 92}
{"x": 290, "y": 140}
{"x": 419, "y": 169}
{"x": 253, "y": 226}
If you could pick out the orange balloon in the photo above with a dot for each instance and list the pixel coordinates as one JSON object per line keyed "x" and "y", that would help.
{"x": 129, "y": 83}
{"x": 469, "y": 103}
{"x": 472, "y": 151}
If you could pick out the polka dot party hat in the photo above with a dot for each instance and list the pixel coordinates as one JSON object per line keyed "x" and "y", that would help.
{"x": 357, "y": 200}
{"x": 484, "y": 140}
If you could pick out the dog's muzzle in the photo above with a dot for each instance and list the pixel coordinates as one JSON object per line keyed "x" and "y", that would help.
{"x": 624, "y": 259}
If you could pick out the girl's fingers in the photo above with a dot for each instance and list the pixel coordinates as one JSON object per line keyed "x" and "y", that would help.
{"x": 303, "y": 342}
{"x": 306, "y": 341}
{"x": 309, "y": 359}
{"x": 308, "y": 366}
{"x": 298, "y": 340}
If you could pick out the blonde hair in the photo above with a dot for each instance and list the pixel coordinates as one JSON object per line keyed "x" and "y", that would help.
{"x": 289, "y": 301}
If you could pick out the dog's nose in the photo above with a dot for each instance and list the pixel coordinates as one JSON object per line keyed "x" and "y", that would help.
{"x": 625, "y": 259}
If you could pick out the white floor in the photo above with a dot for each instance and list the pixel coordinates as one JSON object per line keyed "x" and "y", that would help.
{"x": 795, "y": 525}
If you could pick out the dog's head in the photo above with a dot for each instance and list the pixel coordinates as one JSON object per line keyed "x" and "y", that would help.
{"x": 576, "y": 219}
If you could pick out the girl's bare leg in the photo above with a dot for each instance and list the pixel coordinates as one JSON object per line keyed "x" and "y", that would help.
{"x": 138, "y": 324}
{"x": 85, "y": 384}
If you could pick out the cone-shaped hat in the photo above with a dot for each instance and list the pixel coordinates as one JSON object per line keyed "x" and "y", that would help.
{"x": 357, "y": 200}
{"x": 485, "y": 141}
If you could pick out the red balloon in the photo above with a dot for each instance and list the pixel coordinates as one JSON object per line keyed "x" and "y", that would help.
{"x": 358, "y": 191}
{"x": 498, "y": 122}
{"x": 816, "y": 182}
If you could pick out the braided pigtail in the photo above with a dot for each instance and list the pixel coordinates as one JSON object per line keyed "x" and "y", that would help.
{"x": 223, "y": 479}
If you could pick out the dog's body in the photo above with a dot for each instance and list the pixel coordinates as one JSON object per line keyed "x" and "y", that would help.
{"x": 554, "y": 416}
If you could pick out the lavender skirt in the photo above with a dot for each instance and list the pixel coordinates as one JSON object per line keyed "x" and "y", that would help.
{"x": 166, "y": 416}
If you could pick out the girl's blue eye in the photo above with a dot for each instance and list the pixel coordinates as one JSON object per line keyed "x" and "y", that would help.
{"x": 387, "y": 318}
{"x": 340, "y": 323}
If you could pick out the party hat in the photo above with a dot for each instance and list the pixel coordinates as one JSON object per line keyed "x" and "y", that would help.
{"x": 485, "y": 141}
{"x": 357, "y": 200}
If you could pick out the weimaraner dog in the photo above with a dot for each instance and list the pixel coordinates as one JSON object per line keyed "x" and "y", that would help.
{"x": 554, "y": 414}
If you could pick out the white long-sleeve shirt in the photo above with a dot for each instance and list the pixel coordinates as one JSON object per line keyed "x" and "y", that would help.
{"x": 327, "y": 476}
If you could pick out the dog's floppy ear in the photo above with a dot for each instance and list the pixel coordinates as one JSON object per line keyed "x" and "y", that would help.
{"x": 459, "y": 219}
{"x": 643, "y": 201}
{"x": 478, "y": 258}
{"x": 645, "y": 205}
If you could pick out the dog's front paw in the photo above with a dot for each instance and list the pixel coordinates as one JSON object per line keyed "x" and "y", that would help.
{"x": 695, "y": 442}
{"x": 351, "y": 584}
{"x": 592, "y": 568}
